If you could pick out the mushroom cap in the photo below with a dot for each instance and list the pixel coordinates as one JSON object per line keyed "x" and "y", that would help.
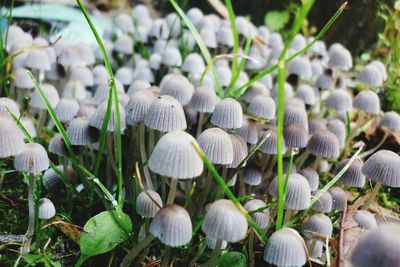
{"x": 211, "y": 242}
{"x": 29, "y": 126}
{"x": 145, "y": 203}
{"x": 340, "y": 58}
{"x": 339, "y": 200}
{"x": 37, "y": 59}
{"x": 390, "y": 120}
{"x": 165, "y": 114}
{"x": 240, "y": 150}
{"x": 262, "y": 106}
{"x": 260, "y": 217}
{"x": 295, "y": 135}
{"x": 370, "y": 75}
{"x": 174, "y": 156}
{"x": 380, "y": 247}
{"x": 83, "y": 75}
{"x": 307, "y": 94}
{"x": 301, "y": 67}
{"x": 367, "y": 101}
{"x": 217, "y": 145}
{"x": 252, "y": 174}
{"x": 11, "y": 138}
{"x": 51, "y": 94}
{"x": 338, "y": 128}
{"x": 66, "y": 109}
{"x": 365, "y": 219}
{"x": 270, "y": 144}
{"x": 79, "y": 132}
{"x": 179, "y": 87}
{"x": 138, "y": 105}
{"x": 33, "y": 159}
{"x": 320, "y": 224}
{"x": 340, "y": 100}
{"x": 22, "y": 79}
{"x": 172, "y": 225}
{"x": 57, "y": 146}
{"x": 96, "y": 120}
{"x": 75, "y": 89}
{"x": 102, "y": 91}
{"x": 228, "y": 114}
{"x": 353, "y": 176}
{"x": 316, "y": 253}
{"x": 204, "y": 99}
{"x": 52, "y": 181}
{"x": 209, "y": 37}
{"x": 193, "y": 63}
{"x": 124, "y": 44}
{"x": 224, "y": 221}
{"x": 7, "y": 106}
{"x": 316, "y": 124}
{"x": 312, "y": 177}
{"x": 285, "y": 248}
{"x": 324, "y": 203}
{"x": 324, "y": 144}
{"x": 248, "y": 131}
{"x": 383, "y": 167}
{"x": 295, "y": 114}
{"x": 324, "y": 81}
{"x": 46, "y": 209}
{"x": 124, "y": 75}
{"x": 256, "y": 89}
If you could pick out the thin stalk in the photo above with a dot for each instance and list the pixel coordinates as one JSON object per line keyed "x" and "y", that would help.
{"x": 375, "y": 148}
{"x": 143, "y": 156}
{"x": 200, "y": 123}
{"x": 288, "y": 214}
{"x": 166, "y": 257}
{"x": 204, "y": 193}
{"x": 348, "y": 128}
{"x": 172, "y": 191}
{"x": 316, "y": 162}
{"x": 372, "y": 196}
{"x": 31, "y": 208}
{"x": 251, "y": 249}
{"x": 136, "y": 250}
{"x": 151, "y": 141}
{"x": 41, "y": 121}
{"x": 231, "y": 13}
{"x": 288, "y": 171}
{"x": 215, "y": 254}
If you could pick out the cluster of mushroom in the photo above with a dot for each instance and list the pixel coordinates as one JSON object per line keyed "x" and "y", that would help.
{"x": 169, "y": 105}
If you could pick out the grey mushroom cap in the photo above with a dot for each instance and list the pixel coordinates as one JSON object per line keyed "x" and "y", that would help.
{"x": 37, "y": 59}
{"x": 320, "y": 224}
{"x": 51, "y": 94}
{"x": 367, "y": 101}
{"x": 66, "y": 109}
{"x": 391, "y": 121}
{"x": 11, "y": 138}
{"x": 270, "y": 144}
{"x": 46, "y": 209}
{"x": 316, "y": 124}
{"x": 324, "y": 203}
{"x": 102, "y": 91}
{"x": 29, "y": 126}
{"x": 312, "y": 177}
{"x": 262, "y": 106}
{"x": 172, "y": 225}
{"x": 324, "y": 81}
{"x": 148, "y": 203}
{"x": 285, "y": 248}
{"x": 295, "y": 114}
{"x": 353, "y": 175}
{"x": 138, "y": 105}
{"x": 7, "y": 106}
{"x": 193, "y": 63}
{"x": 165, "y": 114}
{"x": 136, "y": 86}
{"x": 383, "y": 167}
{"x": 338, "y": 128}
{"x": 75, "y": 89}
{"x": 211, "y": 242}
{"x": 339, "y": 200}
{"x": 324, "y": 144}
{"x": 288, "y": 91}
{"x": 256, "y": 89}
{"x": 252, "y": 174}
{"x": 52, "y": 181}
{"x": 57, "y": 146}
{"x": 83, "y": 75}
{"x": 248, "y": 131}
{"x": 307, "y": 94}
{"x": 295, "y": 135}
{"x": 240, "y": 150}
{"x": 301, "y": 67}
{"x": 204, "y": 100}
{"x": 174, "y": 156}
{"x": 340, "y": 100}
{"x": 33, "y": 159}
{"x": 124, "y": 44}
{"x": 22, "y": 79}
{"x": 298, "y": 193}
{"x": 316, "y": 252}
{"x": 370, "y": 75}
{"x": 365, "y": 219}
{"x": 261, "y": 217}
{"x": 381, "y": 67}
{"x": 96, "y": 120}
{"x": 79, "y": 132}
{"x": 217, "y": 146}
{"x": 228, "y": 114}
{"x": 380, "y": 247}
{"x": 179, "y": 87}
{"x": 340, "y": 58}
{"x": 224, "y": 221}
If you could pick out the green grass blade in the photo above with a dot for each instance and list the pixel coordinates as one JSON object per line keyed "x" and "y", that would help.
{"x": 113, "y": 93}
{"x": 202, "y": 46}
{"x": 231, "y": 13}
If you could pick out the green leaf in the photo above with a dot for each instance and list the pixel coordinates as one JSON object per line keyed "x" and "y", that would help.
{"x": 276, "y": 20}
{"x": 232, "y": 259}
{"x": 103, "y": 233}
{"x": 45, "y": 259}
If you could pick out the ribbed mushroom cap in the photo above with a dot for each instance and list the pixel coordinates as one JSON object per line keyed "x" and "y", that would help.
{"x": 57, "y": 146}
{"x": 70, "y": 57}
{"x": 179, "y": 87}
{"x": 193, "y": 63}
{"x": 33, "y": 159}
{"x": 37, "y": 59}
{"x": 298, "y": 193}
{"x": 257, "y": 88}
{"x": 7, "y": 106}
{"x": 324, "y": 203}
{"x": 324, "y": 81}
{"x": 75, "y": 89}
{"x": 240, "y": 150}
{"x": 324, "y": 144}
{"x": 46, "y": 209}
{"x": 204, "y": 99}
{"x": 295, "y": 135}
{"x": 370, "y": 75}
{"x": 148, "y": 203}
{"x": 228, "y": 114}
{"x": 367, "y": 101}
{"x": 22, "y": 79}
{"x": 217, "y": 145}
{"x": 312, "y": 177}
{"x": 391, "y": 121}
{"x": 211, "y": 242}
{"x": 51, "y": 94}
{"x": 96, "y": 120}
{"x": 339, "y": 200}
{"x": 365, "y": 219}
{"x": 248, "y": 131}
{"x": 138, "y": 106}
{"x": 288, "y": 91}
{"x": 383, "y": 167}
{"x": 224, "y": 221}
{"x": 262, "y": 106}
{"x": 338, "y": 128}
{"x": 295, "y": 114}
{"x": 270, "y": 144}
{"x": 315, "y": 125}
{"x": 260, "y": 217}
{"x": 11, "y": 138}
{"x": 66, "y": 109}
{"x": 209, "y": 38}
{"x": 137, "y": 86}
{"x": 174, "y": 156}
{"x": 171, "y": 57}
{"x": 252, "y": 175}
{"x": 381, "y": 67}
{"x": 191, "y": 116}
{"x": 103, "y": 89}
{"x": 301, "y": 67}
{"x": 340, "y": 100}
{"x": 353, "y": 176}
{"x": 340, "y": 58}
{"x": 29, "y": 126}
{"x": 165, "y": 114}
{"x": 79, "y": 132}
{"x": 307, "y": 94}
{"x": 86, "y": 53}
{"x": 83, "y": 75}
{"x": 225, "y": 36}
{"x": 172, "y": 225}
{"x": 285, "y": 248}
{"x": 155, "y": 61}
{"x": 320, "y": 224}
{"x": 380, "y": 247}
{"x": 52, "y": 181}
{"x": 124, "y": 44}
{"x": 318, "y": 246}
{"x": 224, "y": 74}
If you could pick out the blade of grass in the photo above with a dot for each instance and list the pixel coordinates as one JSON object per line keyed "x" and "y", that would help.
{"x": 228, "y": 192}
{"x": 231, "y": 13}
{"x": 202, "y": 46}
{"x": 116, "y": 102}
{"x": 239, "y": 90}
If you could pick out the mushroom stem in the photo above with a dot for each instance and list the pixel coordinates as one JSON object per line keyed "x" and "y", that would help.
{"x": 41, "y": 121}
{"x": 172, "y": 191}
{"x": 144, "y": 156}
{"x": 151, "y": 141}
{"x": 200, "y": 123}
{"x": 288, "y": 214}
{"x": 302, "y": 158}
{"x": 372, "y": 196}
{"x": 204, "y": 193}
{"x": 31, "y": 207}
{"x": 270, "y": 167}
{"x": 316, "y": 162}
{"x": 166, "y": 257}
{"x": 311, "y": 247}
{"x": 251, "y": 250}
{"x": 136, "y": 250}
{"x": 215, "y": 254}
